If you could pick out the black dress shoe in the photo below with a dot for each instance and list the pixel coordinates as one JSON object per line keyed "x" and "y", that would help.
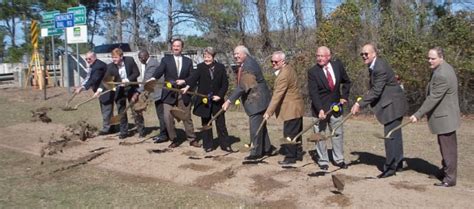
{"x": 287, "y": 161}
{"x": 173, "y": 145}
{"x": 103, "y": 132}
{"x": 208, "y": 149}
{"x": 194, "y": 143}
{"x": 253, "y": 157}
{"x": 443, "y": 184}
{"x": 227, "y": 149}
{"x": 342, "y": 165}
{"x": 386, "y": 174}
{"x": 324, "y": 167}
{"x": 123, "y": 136}
{"x": 159, "y": 139}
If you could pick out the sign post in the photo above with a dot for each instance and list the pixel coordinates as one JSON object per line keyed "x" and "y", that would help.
{"x": 47, "y": 29}
{"x": 77, "y": 34}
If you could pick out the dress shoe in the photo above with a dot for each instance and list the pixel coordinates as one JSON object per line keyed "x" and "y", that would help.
{"x": 443, "y": 184}
{"x": 227, "y": 149}
{"x": 122, "y": 136}
{"x": 287, "y": 161}
{"x": 194, "y": 143}
{"x": 208, "y": 149}
{"x": 272, "y": 152}
{"x": 324, "y": 167}
{"x": 386, "y": 174}
{"x": 159, "y": 139}
{"x": 253, "y": 157}
{"x": 173, "y": 145}
{"x": 342, "y": 165}
{"x": 103, "y": 132}
{"x": 141, "y": 135}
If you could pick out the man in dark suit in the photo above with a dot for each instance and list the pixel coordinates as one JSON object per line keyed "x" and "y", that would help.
{"x": 441, "y": 106}
{"x": 255, "y": 95}
{"x": 96, "y": 71}
{"x": 173, "y": 68}
{"x": 288, "y": 106}
{"x": 389, "y": 103}
{"x": 124, "y": 69}
{"x": 328, "y": 84}
{"x": 151, "y": 65}
{"x": 211, "y": 79}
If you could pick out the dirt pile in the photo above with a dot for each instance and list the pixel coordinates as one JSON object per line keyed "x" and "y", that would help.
{"x": 40, "y": 114}
{"x": 73, "y": 135}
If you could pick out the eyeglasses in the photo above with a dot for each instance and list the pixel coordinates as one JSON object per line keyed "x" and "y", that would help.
{"x": 88, "y": 59}
{"x": 364, "y": 54}
{"x": 275, "y": 61}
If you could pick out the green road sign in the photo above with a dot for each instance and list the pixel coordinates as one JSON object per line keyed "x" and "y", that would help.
{"x": 49, "y": 15}
{"x": 55, "y": 32}
{"x": 79, "y": 14}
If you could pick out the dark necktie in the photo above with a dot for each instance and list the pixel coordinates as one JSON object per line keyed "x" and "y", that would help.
{"x": 211, "y": 72}
{"x": 329, "y": 77}
{"x": 239, "y": 73}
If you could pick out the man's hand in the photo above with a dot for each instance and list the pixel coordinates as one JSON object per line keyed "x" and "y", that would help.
{"x": 355, "y": 108}
{"x": 342, "y": 101}
{"x": 180, "y": 82}
{"x": 266, "y": 116}
{"x": 151, "y": 79}
{"x": 135, "y": 97}
{"x": 322, "y": 115}
{"x": 78, "y": 90}
{"x": 184, "y": 90}
{"x": 413, "y": 119}
{"x": 226, "y": 105}
{"x": 216, "y": 98}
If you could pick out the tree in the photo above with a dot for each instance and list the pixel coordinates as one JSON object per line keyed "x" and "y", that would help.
{"x": 263, "y": 22}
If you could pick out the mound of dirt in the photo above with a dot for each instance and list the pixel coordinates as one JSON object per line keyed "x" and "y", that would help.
{"x": 73, "y": 135}
{"x": 40, "y": 114}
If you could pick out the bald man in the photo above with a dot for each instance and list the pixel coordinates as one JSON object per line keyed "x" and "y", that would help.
{"x": 389, "y": 103}
{"x": 328, "y": 84}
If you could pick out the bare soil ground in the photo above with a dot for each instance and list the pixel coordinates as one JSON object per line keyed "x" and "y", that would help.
{"x": 263, "y": 185}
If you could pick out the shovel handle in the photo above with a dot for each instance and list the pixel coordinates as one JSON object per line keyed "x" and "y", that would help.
{"x": 309, "y": 127}
{"x": 188, "y": 92}
{"x": 92, "y": 98}
{"x": 340, "y": 124}
{"x": 70, "y": 99}
{"x": 215, "y": 117}
{"x": 256, "y": 133}
{"x": 396, "y": 128}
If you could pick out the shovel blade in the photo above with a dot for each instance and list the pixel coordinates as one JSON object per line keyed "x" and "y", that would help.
{"x": 68, "y": 108}
{"x": 114, "y": 120}
{"x": 380, "y": 136}
{"x": 316, "y": 137}
{"x": 204, "y": 128}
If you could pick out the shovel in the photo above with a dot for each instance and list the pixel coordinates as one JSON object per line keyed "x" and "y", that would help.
{"x": 68, "y": 108}
{"x": 333, "y": 132}
{"x": 208, "y": 125}
{"x": 114, "y": 120}
{"x": 388, "y": 136}
{"x": 70, "y": 99}
{"x": 250, "y": 145}
{"x": 148, "y": 85}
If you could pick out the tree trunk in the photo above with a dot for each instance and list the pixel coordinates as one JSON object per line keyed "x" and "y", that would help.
{"x": 318, "y": 11}
{"x": 262, "y": 19}
{"x": 135, "y": 24}
{"x": 296, "y": 9}
{"x": 119, "y": 21}
{"x": 169, "y": 35}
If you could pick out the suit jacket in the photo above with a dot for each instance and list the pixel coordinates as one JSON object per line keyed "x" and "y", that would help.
{"x": 217, "y": 85}
{"x": 385, "y": 95}
{"x": 132, "y": 74}
{"x": 287, "y": 102}
{"x": 320, "y": 94}
{"x": 98, "y": 69}
{"x": 256, "y": 99}
{"x": 150, "y": 68}
{"x": 168, "y": 69}
{"x": 441, "y": 104}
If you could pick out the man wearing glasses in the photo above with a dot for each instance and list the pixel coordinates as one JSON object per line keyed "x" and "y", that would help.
{"x": 328, "y": 84}
{"x": 388, "y": 102}
{"x": 288, "y": 105}
{"x": 96, "y": 71}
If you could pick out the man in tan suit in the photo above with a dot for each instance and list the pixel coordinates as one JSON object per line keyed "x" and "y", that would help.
{"x": 288, "y": 106}
{"x": 442, "y": 109}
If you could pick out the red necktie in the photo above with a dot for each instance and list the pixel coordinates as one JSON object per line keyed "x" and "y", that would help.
{"x": 239, "y": 72}
{"x": 329, "y": 77}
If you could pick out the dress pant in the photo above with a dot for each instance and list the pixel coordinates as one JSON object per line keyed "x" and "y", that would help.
{"x": 123, "y": 95}
{"x": 261, "y": 142}
{"x": 161, "y": 118}
{"x": 222, "y": 134}
{"x": 188, "y": 123}
{"x": 107, "y": 110}
{"x": 393, "y": 146}
{"x": 291, "y": 128}
{"x": 449, "y": 151}
{"x": 337, "y": 141}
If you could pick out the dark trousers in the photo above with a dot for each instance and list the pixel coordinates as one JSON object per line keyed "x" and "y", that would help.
{"x": 161, "y": 118}
{"x": 291, "y": 128}
{"x": 449, "y": 151}
{"x": 107, "y": 110}
{"x": 207, "y": 136}
{"x": 261, "y": 141}
{"x": 393, "y": 146}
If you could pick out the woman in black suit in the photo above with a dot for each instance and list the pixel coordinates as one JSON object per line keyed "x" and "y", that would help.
{"x": 211, "y": 79}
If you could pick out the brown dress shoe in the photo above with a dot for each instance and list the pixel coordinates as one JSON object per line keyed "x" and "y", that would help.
{"x": 194, "y": 143}
{"x": 173, "y": 145}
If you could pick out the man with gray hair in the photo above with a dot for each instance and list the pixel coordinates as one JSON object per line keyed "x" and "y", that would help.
{"x": 255, "y": 95}
{"x": 288, "y": 106}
